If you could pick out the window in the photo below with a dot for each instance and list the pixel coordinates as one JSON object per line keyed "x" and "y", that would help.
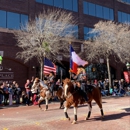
{"x": 129, "y": 17}
{"x": 58, "y": 3}
{"x": 91, "y": 9}
{"x": 87, "y": 35}
{"x": 75, "y": 5}
{"x": 86, "y": 30}
{"x": 111, "y": 14}
{"x": 48, "y": 2}
{"x": 98, "y": 11}
{"x": 85, "y": 7}
{"x": 119, "y": 16}
{"x": 106, "y": 13}
{"x": 123, "y": 17}
{"x": 3, "y": 19}
{"x": 24, "y": 20}
{"x": 68, "y": 4}
{"x": 13, "y": 20}
{"x": 70, "y": 30}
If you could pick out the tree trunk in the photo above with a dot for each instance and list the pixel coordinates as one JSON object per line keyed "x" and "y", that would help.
{"x": 109, "y": 73}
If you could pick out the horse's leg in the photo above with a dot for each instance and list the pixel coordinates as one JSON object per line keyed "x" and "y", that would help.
{"x": 40, "y": 101}
{"x": 75, "y": 115}
{"x": 46, "y": 100}
{"x": 66, "y": 114}
{"x": 61, "y": 104}
{"x": 101, "y": 109}
{"x": 90, "y": 109}
{"x": 99, "y": 102}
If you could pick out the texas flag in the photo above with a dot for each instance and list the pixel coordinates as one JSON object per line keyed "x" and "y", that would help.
{"x": 75, "y": 61}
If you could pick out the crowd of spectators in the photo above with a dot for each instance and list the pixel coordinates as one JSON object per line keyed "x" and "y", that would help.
{"x": 12, "y": 93}
{"x": 118, "y": 88}
{"x": 9, "y": 93}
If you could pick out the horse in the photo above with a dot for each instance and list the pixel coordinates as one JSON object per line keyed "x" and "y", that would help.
{"x": 75, "y": 98}
{"x": 45, "y": 93}
{"x": 60, "y": 95}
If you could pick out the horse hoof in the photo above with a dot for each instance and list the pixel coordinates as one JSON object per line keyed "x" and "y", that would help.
{"x": 86, "y": 118}
{"x": 74, "y": 122}
{"x": 68, "y": 119}
{"x": 45, "y": 109}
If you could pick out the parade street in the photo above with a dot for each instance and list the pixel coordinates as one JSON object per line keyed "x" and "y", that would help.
{"x": 116, "y": 111}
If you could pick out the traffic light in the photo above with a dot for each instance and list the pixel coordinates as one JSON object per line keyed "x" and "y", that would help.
{"x": 1, "y": 60}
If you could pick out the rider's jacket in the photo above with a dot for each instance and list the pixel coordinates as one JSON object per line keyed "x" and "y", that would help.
{"x": 81, "y": 77}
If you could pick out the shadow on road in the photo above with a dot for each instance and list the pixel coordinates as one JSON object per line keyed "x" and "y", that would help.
{"x": 107, "y": 117}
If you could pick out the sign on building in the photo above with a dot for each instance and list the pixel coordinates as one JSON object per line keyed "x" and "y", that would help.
{"x": 6, "y": 75}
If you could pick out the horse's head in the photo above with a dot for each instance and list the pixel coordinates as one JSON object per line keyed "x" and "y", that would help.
{"x": 68, "y": 86}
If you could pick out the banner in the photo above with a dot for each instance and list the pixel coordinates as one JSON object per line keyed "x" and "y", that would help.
{"x": 126, "y": 76}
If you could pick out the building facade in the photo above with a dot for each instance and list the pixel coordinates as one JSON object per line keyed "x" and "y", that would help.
{"x": 14, "y": 13}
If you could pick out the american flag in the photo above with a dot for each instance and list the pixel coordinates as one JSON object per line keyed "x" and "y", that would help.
{"x": 49, "y": 66}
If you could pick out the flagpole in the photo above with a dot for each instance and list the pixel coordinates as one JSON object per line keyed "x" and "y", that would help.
{"x": 60, "y": 75}
{"x": 70, "y": 59}
{"x": 43, "y": 65}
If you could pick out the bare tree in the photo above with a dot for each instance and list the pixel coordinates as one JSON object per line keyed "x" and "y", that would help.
{"x": 45, "y": 36}
{"x": 110, "y": 39}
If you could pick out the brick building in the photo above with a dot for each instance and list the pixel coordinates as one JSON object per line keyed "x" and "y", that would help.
{"x": 89, "y": 12}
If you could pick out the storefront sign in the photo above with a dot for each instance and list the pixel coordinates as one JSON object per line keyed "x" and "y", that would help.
{"x": 6, "y": 75}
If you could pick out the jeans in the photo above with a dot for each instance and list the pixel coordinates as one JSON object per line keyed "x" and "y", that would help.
{"x": 28, "y": 97}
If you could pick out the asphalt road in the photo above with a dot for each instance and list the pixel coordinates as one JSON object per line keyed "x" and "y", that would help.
{"x": 116, "y": 110}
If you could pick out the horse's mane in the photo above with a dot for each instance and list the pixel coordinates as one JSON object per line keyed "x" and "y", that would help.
{"x": 69, "y": 83}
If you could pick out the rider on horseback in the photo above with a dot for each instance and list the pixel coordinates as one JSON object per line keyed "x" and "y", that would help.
{"x": 81, "y": 79}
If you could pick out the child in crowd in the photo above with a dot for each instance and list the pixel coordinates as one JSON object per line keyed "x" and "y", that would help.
{"x": 24, "y": 97}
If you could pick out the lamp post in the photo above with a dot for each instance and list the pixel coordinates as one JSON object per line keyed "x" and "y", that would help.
{"x": 128, "y": 68}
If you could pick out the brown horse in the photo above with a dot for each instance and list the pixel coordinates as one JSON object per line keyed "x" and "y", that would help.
{"x": 45, "y": 93}
{"x": 74, "y": 98}
{"x": 60, "y": 95}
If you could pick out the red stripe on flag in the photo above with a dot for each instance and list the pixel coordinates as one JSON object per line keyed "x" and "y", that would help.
{"x": 48, "y": 69}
